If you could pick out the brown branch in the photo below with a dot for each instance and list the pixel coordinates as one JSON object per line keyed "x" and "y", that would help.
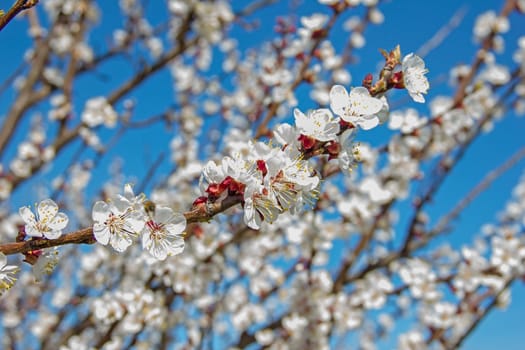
{"x": 24, "y": 99}
{"x": 151, "y": 171}
{"x": 163, "y": 61}
{"x": 66, "y": 136}
{"x": 274, "y": 106}
{"x": 253, "y": 7}
{"x": 77, "y": 237}
{"x": 494, "y": 302}
{"x": 18, "y": 6}
{"x": 361, "y": 245}
{"x": 12, "y": 77}
{"x": 442, "y": 172}
{"x": 107, "y": 336}
{"x": 486, "y": 45}
{"x": 200, "y": 213}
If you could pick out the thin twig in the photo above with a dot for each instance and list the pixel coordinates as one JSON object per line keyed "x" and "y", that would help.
{"x": 480, "y": 187}
{"x": 494, "y": 302}
{"x": 201, "y": 213}
{"x": 18, "y": 6}
{"x": 443, "y": 32}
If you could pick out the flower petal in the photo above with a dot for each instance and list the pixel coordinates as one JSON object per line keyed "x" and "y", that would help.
{"x": 27, "y": 215}
{"x": 120, "y": 205}
{"x": 176, "y": 246}
{"x": 338, "y": 99}
{"x": 59, "y": 222}
{"x": 301, "y": 121}
{"x": 33, "y": 231}
{"x": 251, "y": 216}
{"x": 367, "y": 124}
{"x": 128, "y": 192}
{"x": 3, "y": 260}
{"x": 163, "y": 214}
{"x": 362, "y": 103}
{"x": 47, "y": 209}
{"x": 53, "y": 234}
{"x": 347, "y": 138}
{"x": 100, "y": 212}
{"x": 101, "y": 233}
{"x": 120, "y": 242}
{"x": 285, "y": 134}
{"x": 135, "y": 222}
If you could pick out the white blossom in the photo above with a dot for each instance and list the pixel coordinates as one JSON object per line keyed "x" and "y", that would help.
{"x": 116, "y": 223}
{"x": 48, "y": 222}
{"x": 319, "y": 124}
{"x": 162, "y": 235}
{"x": 358, "y": 107}
{"x": 7, "y": 279}
{"x": 98, "y": 111}
{"x": 414, "y": 71}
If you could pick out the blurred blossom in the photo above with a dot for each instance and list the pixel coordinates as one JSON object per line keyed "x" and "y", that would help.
{"x": 7, "y": 272}
{"x": 98, "y": 111}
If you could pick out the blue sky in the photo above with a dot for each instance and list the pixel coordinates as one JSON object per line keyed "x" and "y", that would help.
{"x": 409, "y": 23}
{"x": 417, "y": 22}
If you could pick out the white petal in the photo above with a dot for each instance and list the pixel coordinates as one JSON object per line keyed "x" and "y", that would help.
{"x": 158, "y": 252}
{"x": 417, "y": 97}
{"x": 120, "y": 205}
{"x": 128, "y": 192}
{"x": 178, "y": 220}
{"x": 413, "y": 61}
{"x": 301, "y": 121}
{"x": 212, "y": 172}
{"x": 176, "y": 246}
{"x": 59, "y": 222}
{"x": 32, "y": 231}
{"x": 27, "y": 215}
{"x": 47, "y": 209}
{"x": 54, "y": 234}
{"x": 347, "y": 138}
{"x": 3, "y": 260}
{"x": 136, "y": 222}
{"x": 163, "y": 214}
{"x": 101, "y": 233}
{"x": 384, "y": 113}
{"x": 338, "y": 99}
{"x": 120, "y": 243}
{"x": 155, "y": 248}
{"x": 414, "y": 77}
{"x": 175, "y": 229}
{"x": 285, "y": 134}
{"x": 100, "y": 212}
{"x": 367, "y": 124}
{"x": 251, "y": 216}
{"x": 362, "y": 103}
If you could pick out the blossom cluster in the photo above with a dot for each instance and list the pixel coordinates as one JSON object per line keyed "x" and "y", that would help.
{"x": 124, "y": 218}
{"x": 359, "y": 267}
{"x": 116, "y": 223}
{"x": 272, "y": 180}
